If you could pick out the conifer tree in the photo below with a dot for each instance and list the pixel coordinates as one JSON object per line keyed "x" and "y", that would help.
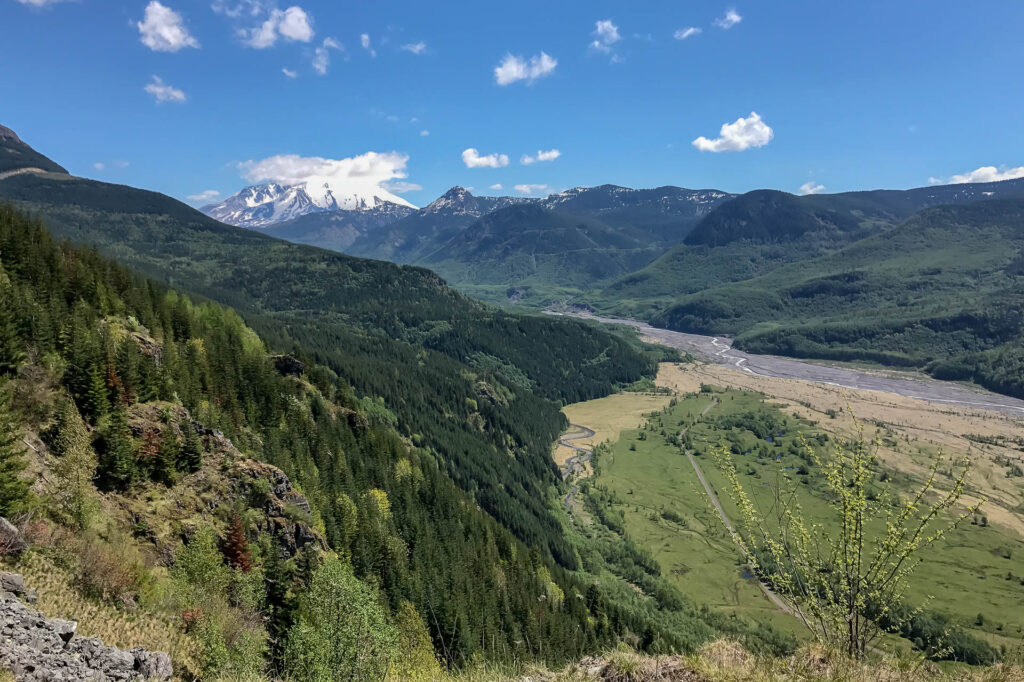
{"x": 13, "y": 488}
{"x": 12, "y": 348}
{"x": 75, "y": 466}
{"x": 117, "y": 469}
{"x": 191, "y": 456}
{"x": 166, "y": 464}
{"x": 236, "y": 546}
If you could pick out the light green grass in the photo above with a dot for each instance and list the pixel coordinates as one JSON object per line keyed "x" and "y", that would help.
{"x": 966, "y": 574}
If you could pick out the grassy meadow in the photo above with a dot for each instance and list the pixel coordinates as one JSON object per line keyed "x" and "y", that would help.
{"x": 648, "y": 485}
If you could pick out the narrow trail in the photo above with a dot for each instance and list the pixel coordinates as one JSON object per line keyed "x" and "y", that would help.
{"x": 768, "y": 592}
{"x": 575, "y": 464}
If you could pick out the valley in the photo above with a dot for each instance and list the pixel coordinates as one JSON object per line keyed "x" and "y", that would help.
{"x": 641, "y": 483}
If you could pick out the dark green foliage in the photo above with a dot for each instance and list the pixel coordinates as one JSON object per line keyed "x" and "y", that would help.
{"x": 393, "y": 510}
{"x": 936, "y": 292}
{"x": 117, "y": 468}
{"x": 13, "y": 485}
{"x": 397, "y": 333}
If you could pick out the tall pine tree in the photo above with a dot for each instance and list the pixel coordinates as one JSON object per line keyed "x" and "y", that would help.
{"x": 13, "y": 488}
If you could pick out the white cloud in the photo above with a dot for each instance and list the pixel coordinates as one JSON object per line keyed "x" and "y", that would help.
{"x": 365, "y": 174}
{"x": 742, "y": 134}
{"x": 531, "y": 189}
{"x": 163, "y": 92}
{"x": 243, "y": 7}
{"x": 292, "y": 24}
{"x": 204, "y": 197}
{"x": 549, "y": 155}
{"x": 810, "y": 187}
{"x": 99, "y": 165}
{"x": 288, "y": 72}
{"x": 322, "y": 55}
{"x": 364, "y": 40}
{"x": 40, "y": 3}
{"x": 424, "y": 133}
{"x": 496, "y": 185}
{"x": 401, "y": 186}
{"x": 471, "y": 157}
{"x": 688, "y": 32}
{"x": 728, "y": 20}
{"x": 415, "y": 48}
{"x": 513, "y": 68}
{"x": 982, "y": 174}
{"x": 606, "y": 34}
{"x": 163, "y": 30}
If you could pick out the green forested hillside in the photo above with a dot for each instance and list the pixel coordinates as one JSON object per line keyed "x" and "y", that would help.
{"x": 527, "y": 246}
{"x": 943, "y": 290}
{"x": 398, "y": 333}
{"x": 762, "y": 230}
{"x": 88, "y": 346}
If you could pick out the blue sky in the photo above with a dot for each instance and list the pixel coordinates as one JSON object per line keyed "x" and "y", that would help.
{"x": 856, "y": 95}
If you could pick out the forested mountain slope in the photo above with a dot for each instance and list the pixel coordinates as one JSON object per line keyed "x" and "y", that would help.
{"x": 477, "y": 386}
{"x": 157, "y": 415}
{"x": 528, "y": 245}
{"x": 759, "y": 231}
{"x": 943, "y": 290}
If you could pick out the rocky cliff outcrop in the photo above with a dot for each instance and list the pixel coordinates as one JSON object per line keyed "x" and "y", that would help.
{"x": 34, "y": 647}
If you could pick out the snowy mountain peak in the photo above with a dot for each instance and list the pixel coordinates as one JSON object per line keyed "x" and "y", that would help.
{"x": 260, "y": 206}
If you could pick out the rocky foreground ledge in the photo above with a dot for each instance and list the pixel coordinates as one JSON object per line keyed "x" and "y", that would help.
{"x": 34, "y": 647}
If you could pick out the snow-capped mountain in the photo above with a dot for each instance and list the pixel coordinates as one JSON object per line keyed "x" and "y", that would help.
{"x": 261, "y": 206}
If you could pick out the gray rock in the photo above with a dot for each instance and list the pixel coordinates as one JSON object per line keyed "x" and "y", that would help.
{"x": 13, "y": 583}
{"x": 153, "y": 664}
{"x": 65, "y": 629}
{"x": 34, "y": 647}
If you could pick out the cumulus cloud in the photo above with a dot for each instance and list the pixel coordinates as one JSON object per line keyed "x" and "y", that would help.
{"x": 424, "y": 133}
{"x": 205, "y": 197}
{"x": 292, "y": 24}
{"x": 364, "y": 40}
{"x": 496, "y": 185}
{"x": 531, "y": 189}
{"x": 471, "y": 157}
{"x": 415, "y": 48}
{"x": 549, "y": 155}
{"x": 290, "y": 73}
{"x": 606, "y": 34}
{"x": 982, "y": 174}
{"x": 365, "y": 174}
{"x": 322, "y": 55}
{"x": 99, "y": 165}
{"x": 163, "y": 30}
{"x": 684, "y": 33}
{"x": 810, "y": 187}
{"x": 164, "y": 93}
{"x": 513, "y": 68}
{"x": 728, "y": 20}
{"x": 742, "y": 134}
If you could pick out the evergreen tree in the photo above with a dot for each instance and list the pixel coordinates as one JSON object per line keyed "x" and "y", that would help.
{"x": 165, "y": 466}
{"x": 12, "y": 348}
{"x": 13, "y": 488}
{"x": 191, "y": 456}
{"x": 75, "y": 467}
{"x": 117, "y": 468}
